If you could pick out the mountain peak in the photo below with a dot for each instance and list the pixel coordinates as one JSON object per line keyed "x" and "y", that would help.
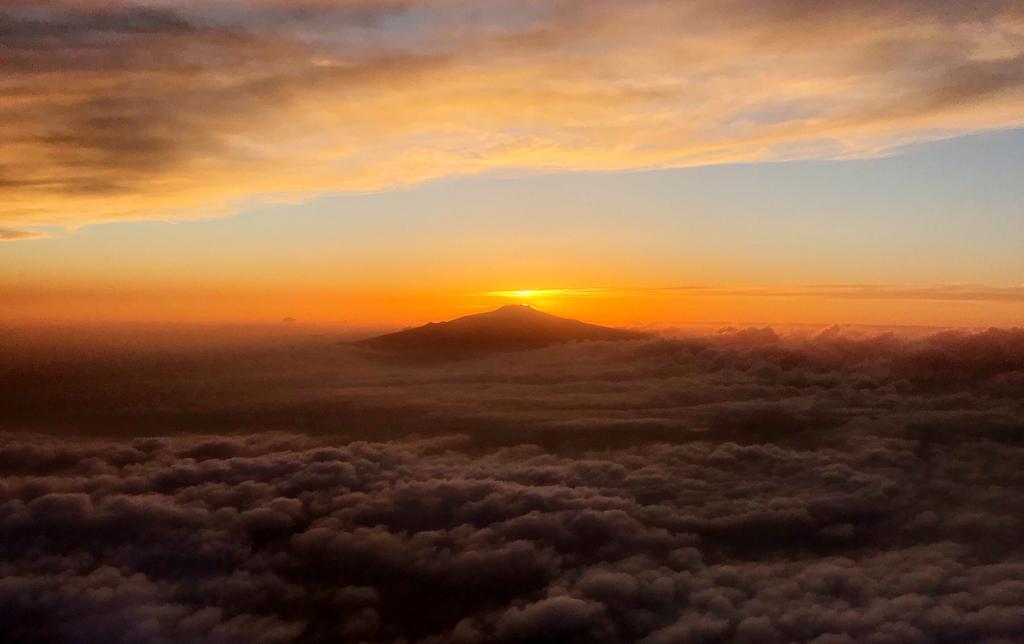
{"x": 515, "y": 310}
{"x": 513, "y": 327}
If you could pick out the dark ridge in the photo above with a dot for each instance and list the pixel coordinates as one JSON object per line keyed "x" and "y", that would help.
{"x": 516, "y": 327}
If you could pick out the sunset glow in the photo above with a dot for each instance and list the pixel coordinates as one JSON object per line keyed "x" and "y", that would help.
{"x": 383, "y": 161}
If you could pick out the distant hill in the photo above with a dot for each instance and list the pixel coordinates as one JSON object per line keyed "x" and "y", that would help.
{"x": 515, "y": 327}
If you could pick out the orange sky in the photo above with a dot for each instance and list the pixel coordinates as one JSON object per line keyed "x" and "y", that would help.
{"x": 398, "y": 161}
{"x": 956, "y": 306}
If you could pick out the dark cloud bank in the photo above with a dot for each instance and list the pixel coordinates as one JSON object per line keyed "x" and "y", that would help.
{"x": 738, "y": 487}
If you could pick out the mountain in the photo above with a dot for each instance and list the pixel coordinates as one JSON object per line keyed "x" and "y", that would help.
{"x": 515, "y": 327}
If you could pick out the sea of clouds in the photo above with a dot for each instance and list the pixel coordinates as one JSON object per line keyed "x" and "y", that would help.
{"x": 731, "y": 487}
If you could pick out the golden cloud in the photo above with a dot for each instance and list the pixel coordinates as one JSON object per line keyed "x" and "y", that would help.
{"x": 12, "y": 234}
{"x": 166, "y": 109}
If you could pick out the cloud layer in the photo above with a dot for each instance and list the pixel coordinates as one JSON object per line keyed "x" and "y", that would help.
{"x": 743, "y": 486}
{"x": 743, "y": 384}
{"x": 278, "y": 538}
{"x": 178, "y": 109}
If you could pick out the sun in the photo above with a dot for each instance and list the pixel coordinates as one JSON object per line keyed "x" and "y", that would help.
{"x": 527, "y": 294}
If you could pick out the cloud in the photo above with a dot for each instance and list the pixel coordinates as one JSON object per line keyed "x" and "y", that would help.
{"x": 10, "y": 234}
{"x": 281, "y": 538}
{"x": 745, "y": 384}
{"x": 939, "y": 292}
{"x": 158, "y": 110}
{"x": 746, "y": 485}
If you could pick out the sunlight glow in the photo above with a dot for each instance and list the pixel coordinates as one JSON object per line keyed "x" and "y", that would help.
{"x": 549, "y": 293}
{"x": 527, "y": 293}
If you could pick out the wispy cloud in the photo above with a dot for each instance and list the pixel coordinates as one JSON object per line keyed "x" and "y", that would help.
{"x": 10, "y": 234}
{"x": 146, "y": 110}
{"x": 935, "y": 292}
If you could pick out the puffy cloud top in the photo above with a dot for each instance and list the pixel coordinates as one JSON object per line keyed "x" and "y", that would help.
{"x": 281, "y": 538}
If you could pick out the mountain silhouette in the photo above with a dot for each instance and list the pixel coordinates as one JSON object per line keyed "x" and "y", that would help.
{"x": 515, "y": 327}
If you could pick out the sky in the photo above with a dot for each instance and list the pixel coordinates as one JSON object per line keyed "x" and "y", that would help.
{"x": 394, "y": 162}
